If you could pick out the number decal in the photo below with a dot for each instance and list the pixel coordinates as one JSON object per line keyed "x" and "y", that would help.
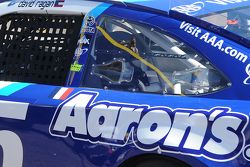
{"x": 12, "y": 149}
{"x": 9, "y": 141}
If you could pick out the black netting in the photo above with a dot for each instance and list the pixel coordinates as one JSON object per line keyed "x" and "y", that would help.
{"x": 37, "y": 48}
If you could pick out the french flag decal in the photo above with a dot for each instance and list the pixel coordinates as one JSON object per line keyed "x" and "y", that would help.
{"x": 63, "y": 93}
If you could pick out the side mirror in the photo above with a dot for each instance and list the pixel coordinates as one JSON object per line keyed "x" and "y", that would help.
{"x": 115, "y": 72}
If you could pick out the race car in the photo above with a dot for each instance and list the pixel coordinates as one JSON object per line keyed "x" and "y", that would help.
{"x": 133, "y": 83}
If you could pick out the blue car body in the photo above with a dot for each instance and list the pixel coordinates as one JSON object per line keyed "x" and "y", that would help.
{"x": 76, "y": 125}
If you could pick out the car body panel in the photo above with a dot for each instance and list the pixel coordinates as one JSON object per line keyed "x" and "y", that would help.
{"x": 33, "y": 130}
{"x": 192, "y": 7}
{"x": 33, "y": 115}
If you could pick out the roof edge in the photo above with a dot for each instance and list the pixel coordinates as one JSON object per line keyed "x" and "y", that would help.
{"x": 211, "y": 27}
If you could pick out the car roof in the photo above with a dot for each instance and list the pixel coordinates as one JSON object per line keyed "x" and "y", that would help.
{"x": 192, "y": 11}
{"x": 190, "y": 7}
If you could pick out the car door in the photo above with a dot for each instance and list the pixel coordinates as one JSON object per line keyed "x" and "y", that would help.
{"x": 176, "y": 78}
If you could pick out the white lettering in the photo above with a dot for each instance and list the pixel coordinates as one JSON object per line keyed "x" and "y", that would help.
{"x": 153, "y": 127}
{"x": 247, "y": 80}
{"x": 184, "y": 25}
{"x": 73, "y": 115}
{"x": 227, "y": 140}
{"x": 101, "y": 120}
{"x": 190, "y": 9}
{"x": 12, "y": 149}
{"x": 212, "y": 40}
{"x": 182, "y": 122}
{"x": 219, "y": 44}
{"x": 242, "y": 57}
{"x": 127, "y": 117}
{"x": 205, "y": 37}
{"x": 190, "y": 30}
{"x": 233, "y": 53}
{"x": 195, "y": 31}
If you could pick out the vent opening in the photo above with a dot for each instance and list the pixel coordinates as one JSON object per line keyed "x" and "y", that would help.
{"x": 37, "y": 48}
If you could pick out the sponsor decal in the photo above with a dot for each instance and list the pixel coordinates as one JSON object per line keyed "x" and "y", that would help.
{"x": 90, "y": 21}
{"x": 86, "y": 35}
{"x": 82, "y": 49}
{"x": 217, "y": 43}
{"x": 84, "y": 40}
{"x": 213, "y": 41}
{"x": 83, "y": 46}
{"x": 12, "y": 149}
{"x": 200, "y": 132}
{"x": 89, "y": 25}
{"x": 10, "y": 142}
{"x": 190, "y": 9}
{"x": 76, "y": 67}
{"x": 38, "y": 3}
{"x": 90, "y": 30}
{"x": 79, "y": 52}
{"x": 194, "y": 8}
{"x": 247, "y": 80}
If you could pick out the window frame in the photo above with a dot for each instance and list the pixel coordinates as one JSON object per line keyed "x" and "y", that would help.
{"x": 168, "y": 34}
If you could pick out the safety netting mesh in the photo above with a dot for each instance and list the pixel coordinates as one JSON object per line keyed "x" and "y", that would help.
{"x": 37, "y": 48}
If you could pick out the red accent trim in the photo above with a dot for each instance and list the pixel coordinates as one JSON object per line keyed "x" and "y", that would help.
{"x": 232, "y": 22}
{"x": 66, "y": 94}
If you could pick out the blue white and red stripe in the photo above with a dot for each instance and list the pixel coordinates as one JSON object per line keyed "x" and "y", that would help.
{"x": 63, "y": 93}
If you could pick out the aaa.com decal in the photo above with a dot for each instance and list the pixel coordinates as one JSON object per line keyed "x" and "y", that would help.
{"x": 219, "y": 44}
{"x": 216, "y": 134}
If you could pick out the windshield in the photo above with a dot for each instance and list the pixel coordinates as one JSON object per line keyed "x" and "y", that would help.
{"x": 234, "y": 20}
{"x": 233, "y": 15}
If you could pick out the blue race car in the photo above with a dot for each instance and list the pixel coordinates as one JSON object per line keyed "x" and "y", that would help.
{"x": 133, "y": 83}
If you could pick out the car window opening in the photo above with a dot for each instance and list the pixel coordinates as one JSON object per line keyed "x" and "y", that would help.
{"x": 149, "y": 61}
{"x": 37, "y": 48}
